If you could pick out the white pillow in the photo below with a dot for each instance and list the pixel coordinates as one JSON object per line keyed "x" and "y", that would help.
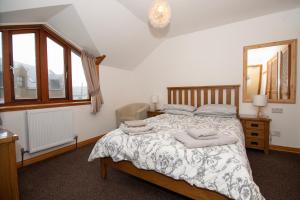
{"x": 179, "y": 107}
{"x": 179, "y": 112}
{"x": 216, "y": 115}
{"x": 216, "y": 109}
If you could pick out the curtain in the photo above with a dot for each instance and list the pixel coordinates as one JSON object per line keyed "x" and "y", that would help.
{"x": 92, "y": 79}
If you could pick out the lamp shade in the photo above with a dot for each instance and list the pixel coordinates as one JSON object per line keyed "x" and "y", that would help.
{"x": 160, "y": 13}
{"x": 260, "y": 100}
{"x": 154, "y": 99}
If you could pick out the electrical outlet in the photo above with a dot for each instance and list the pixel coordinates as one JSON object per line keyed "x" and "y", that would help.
{"x": 276, "y": 133}
{"x": 277, "y": 110}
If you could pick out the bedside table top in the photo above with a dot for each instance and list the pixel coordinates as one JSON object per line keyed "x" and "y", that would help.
{"x": 254, "y": 117}
{"x": 7, "y": 136}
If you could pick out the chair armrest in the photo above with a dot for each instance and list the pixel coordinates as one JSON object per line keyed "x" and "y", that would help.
{"x": 131, "y": 112}
{"x": 125, "y": 110}
{"x": 142, "y": 112}
{"x": 120, "y": 112}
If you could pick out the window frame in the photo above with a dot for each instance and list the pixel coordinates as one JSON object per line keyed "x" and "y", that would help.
{"x": 2, "y": 41}
{"x": 37, "y": 63}
{"x": 47, "y": 35}
{"x": 70, "y": 79}
{"x": 43, "y": 100}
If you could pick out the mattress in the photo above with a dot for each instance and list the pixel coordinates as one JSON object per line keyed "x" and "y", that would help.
{"x": 224, "y": 169}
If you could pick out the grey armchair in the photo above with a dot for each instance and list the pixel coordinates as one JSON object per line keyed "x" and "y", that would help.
{"x": 134, "y": 111}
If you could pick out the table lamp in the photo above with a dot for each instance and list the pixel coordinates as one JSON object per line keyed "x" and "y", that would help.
{"x": 260, "y": 101}
{"x": 154, "y": 100}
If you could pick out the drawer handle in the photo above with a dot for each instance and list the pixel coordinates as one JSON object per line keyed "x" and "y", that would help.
{"x": 254, "y": 143}
{"x": 254, "y": 134}
{"x": 254, "y": 125}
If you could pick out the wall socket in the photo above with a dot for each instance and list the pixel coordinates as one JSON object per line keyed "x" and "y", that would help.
{"x": 276, "y": 133}
{"x": 277, "y": 110}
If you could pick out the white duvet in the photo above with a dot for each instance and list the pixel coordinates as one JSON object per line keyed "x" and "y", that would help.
{"x": 224, "y": 169}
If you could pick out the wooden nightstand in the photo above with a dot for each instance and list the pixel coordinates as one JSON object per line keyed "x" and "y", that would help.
{"x": 8, "y": 168}
{"x": 256, "y": 132}
{"x": 154, "y": 113}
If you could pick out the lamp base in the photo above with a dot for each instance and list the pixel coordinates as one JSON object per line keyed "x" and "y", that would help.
{"x": 154, "y": 107}
{"x": 259, "y": 112}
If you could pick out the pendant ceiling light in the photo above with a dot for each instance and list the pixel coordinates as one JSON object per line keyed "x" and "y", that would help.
{"x": 160, "y": 14}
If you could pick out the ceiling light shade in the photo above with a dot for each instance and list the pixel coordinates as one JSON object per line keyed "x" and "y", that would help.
{"x": 160, "y": 14}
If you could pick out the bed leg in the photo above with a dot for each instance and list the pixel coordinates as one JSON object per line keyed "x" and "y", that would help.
{"x": 103, "y": 169}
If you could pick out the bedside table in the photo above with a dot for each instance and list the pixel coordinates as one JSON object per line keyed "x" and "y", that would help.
{"x": 9, "y": 188}
{"x": 154, "y": 113}
{"x": 256, "y": 132}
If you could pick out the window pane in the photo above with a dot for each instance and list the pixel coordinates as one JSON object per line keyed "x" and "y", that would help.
{"x": 79, "y": 85}
{"x": 1, "y": 72}
{"x": 56, "y": 69}
{"x": 24, "y": 66}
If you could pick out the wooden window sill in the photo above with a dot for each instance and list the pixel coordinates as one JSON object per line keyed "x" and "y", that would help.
{"x": 44, "y": 105}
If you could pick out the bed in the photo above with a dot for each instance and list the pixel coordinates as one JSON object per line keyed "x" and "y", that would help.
{"x": 210, "y": 173}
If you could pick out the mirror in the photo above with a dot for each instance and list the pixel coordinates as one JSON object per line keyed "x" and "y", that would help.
{"x": 270, "y": 69}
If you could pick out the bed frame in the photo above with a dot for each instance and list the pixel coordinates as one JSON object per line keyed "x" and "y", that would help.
{"x": 195, "y": 96}
{"x": 201, "y": 95}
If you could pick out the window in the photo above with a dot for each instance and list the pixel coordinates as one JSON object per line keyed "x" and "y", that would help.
{"x": 1, "y": 72}
{"x": 24, "y": 66}
{"x": 56, "y": 69}
{"x": 79, "y": 85}
{"x": 39, "y": 69}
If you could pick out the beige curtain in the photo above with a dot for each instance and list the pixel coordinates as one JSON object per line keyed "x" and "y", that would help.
{"x": 92, "y": 79}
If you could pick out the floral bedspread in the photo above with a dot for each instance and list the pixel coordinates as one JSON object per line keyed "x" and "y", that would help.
{"x": 224, "y": 169}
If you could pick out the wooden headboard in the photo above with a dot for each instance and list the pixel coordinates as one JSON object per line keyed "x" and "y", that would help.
{"x": 201, "y": 95}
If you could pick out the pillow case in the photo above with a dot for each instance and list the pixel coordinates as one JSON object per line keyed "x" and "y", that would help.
{"x": 186, "y": 108}
{"x": 216, "y": 115}
{"x": 217, "y": 109}
{"x": 179, "y": 112}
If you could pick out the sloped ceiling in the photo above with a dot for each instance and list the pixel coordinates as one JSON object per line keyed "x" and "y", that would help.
{"x": 30, "y": 15}
{"x": 69, "y": 25}
{"x": 124, "y": 38}
{"x": 119, "y": 28}
{"x": 194, "y": 15}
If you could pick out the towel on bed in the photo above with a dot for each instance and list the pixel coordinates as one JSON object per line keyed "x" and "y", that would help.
{"x": 135, "y": 123}
{"x": 210, "y": 137}
{"x": 136, "y": 130}
{"x": 199, "y": 133}
{"x": 190, "y": 142}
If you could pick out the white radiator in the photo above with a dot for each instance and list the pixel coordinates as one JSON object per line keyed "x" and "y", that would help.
{"x": 49, "y": 128}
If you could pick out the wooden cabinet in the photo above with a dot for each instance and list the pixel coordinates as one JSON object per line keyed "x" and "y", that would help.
{"x": 256, "y": 132}
{"x": 154, "y": 113}
{"x": 9, "y": 189}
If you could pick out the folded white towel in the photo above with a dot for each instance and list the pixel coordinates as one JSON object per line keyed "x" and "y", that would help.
{"x": 210, "y": 137}
{"x": 139, "y": 133}
{"x": 199, "y": 133}
{"x": 190, "y": 143}
{"x": 136, "y": 130}
{"x": 135, "y": 123}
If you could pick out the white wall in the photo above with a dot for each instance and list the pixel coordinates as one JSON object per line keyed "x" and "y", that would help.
{"x": 215, "y": 56}
{"x": 208, "y": 57}
{"x": 119, "y": 87}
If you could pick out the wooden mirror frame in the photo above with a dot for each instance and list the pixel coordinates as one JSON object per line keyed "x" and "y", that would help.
{"x": 293, "y": 57}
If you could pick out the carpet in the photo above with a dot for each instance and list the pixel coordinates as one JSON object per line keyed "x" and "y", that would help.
{"x": 71, "y": 177}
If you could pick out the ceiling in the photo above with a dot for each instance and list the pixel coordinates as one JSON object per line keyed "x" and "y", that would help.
{"x": 120, "y": 29}
{"x": 194, "y": 15}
